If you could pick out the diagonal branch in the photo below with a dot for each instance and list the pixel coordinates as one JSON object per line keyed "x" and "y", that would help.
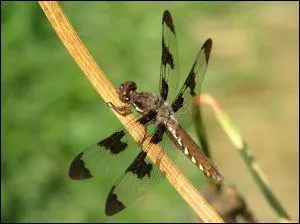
{"x": 103, "y": 86}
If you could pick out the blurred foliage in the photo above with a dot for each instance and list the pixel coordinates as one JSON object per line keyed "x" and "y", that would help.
{"x": 50, "y": 112}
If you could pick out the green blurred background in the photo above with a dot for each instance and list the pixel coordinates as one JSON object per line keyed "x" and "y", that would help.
{"x": 50, "y": 112}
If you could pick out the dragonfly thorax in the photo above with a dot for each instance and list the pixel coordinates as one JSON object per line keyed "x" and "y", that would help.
{"x": 164, "y": 114}
{"x": 144, "y": 102}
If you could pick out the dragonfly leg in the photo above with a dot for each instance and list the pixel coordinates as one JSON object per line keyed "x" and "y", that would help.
{"x": 122, "y": 110}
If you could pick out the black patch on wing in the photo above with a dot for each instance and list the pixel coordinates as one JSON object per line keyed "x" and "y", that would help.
{"x": 139, "y": 178}
{"x": 113, "y": 143}
{"x": 164, "y": 89}
{"x": 158, "y": 134}
{"x": 77, "y": 170}
{"x": 92, "y": 160}
{"x": 113, "y": 205}
{"x": 207, "y": 49}
{"x": 194, "y": 79}
{"x": 166, "y": 57}
{"x": 190, "y": 82}
{"x": 139, "y": 166}
{"x": 169, "y": 76}
{"x": 147, "y": 117}
{"x": 167, "y": 18}
{"x": 177, "y": 103}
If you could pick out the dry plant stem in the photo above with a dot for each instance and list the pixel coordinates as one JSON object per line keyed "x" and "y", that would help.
{"x": 89, "y": 67}
{"x": 240, "y": 144}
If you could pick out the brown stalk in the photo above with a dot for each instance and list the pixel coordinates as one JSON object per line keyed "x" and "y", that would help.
{"x": 80, "y": 54}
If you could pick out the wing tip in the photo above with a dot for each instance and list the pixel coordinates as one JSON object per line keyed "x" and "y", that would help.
{"x": 77, "y": 170}
{"x": 207, "y": 48}
{"x": 167, "y": 18}
{"x": 113, "y": 205}
{"x": 166, "y": 13}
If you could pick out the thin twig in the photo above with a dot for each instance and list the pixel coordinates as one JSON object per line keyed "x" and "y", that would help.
{"x": 89, "y": 67}
{"x": 245, "y": 152}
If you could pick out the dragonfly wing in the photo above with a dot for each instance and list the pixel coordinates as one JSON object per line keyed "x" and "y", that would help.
{"x": 169, "y": 69}
{"x": 90, "y": 162}
{"x": 182, "y": 104}
{"x": 139, "y": 178}
{"x": 86, "y": 164}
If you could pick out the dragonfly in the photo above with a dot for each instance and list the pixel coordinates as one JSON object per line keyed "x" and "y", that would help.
{"x": 153, "y": 110}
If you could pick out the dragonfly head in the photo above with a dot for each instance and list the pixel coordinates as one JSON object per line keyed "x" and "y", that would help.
{"x": 125, "y": 90}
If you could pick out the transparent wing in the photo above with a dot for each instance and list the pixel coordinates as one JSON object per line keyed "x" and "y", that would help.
{"x": 182, "y": 104}
{"x": 169, "y": 70}
{"x": 91, "y": 161}
{"x": 139, "y": 178}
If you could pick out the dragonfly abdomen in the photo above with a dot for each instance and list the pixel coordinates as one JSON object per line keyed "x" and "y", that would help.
{"x": 191, "y": 150}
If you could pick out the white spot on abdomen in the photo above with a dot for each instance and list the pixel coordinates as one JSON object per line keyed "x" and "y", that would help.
{"x": 207, "y": 173}
{"x": 201, "y": 167}
{"x": 186, "y": 151}
{"x": 193, "y": 160}
{"x": 179, "y": 141}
